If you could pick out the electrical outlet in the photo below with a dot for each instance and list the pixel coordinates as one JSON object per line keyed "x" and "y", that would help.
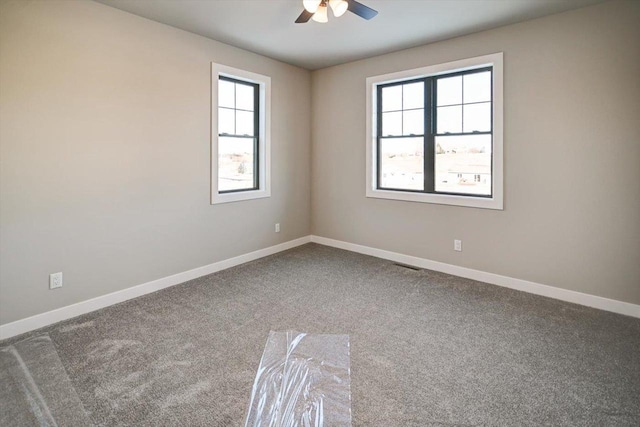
{"x": 457, "y": 245}
{"x": 277, "y": 227}
{"x": 55, "y": 280}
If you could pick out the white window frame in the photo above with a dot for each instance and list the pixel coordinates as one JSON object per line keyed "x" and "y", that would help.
{"x": 264, "y": 135}
{"x": 496, "y": 201}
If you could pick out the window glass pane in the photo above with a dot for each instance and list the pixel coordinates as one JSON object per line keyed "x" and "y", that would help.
{"x": 450, "y": 119}
{"x": 477, "y": 117}
{"x": 477, "y": 87}
{"x": 244, "y": 123}
{"x": 413, "y": 122}
{"x": 226, "y": 119}
{"x": 392, "y": 123}
{"x": 235, "y": 163}
{"x": 449, "y": 91}
{"x": 413, "y": 96}
{"x": 244, "y": 97}
{"x": 392, "y": 98}
{"x": 402, "y": 163}
{"x": 463, "y": 164}
{"x": 226, "y": 94}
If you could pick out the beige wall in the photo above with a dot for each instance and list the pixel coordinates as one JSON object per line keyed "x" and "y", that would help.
{"x": 572, "y": 157}
{"x": 105, "y": 154}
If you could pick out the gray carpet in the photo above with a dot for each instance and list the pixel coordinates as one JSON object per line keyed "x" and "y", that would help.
{"x": 426, "y": 348}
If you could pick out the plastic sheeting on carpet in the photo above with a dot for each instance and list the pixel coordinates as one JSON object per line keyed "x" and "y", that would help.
{"x": 303, "y": 380}
{"x": 35, "y": 387}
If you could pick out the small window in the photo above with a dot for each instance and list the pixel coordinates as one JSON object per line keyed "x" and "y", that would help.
{"x": 435, "y": 134}
{"x": 240, "y": 130}
{"x": 238, "y": 138}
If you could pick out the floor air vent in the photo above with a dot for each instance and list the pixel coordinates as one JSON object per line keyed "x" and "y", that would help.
{"x": 409, "y": 267}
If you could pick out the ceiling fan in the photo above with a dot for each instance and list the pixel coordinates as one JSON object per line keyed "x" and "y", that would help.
{"x": 318, "y": 10}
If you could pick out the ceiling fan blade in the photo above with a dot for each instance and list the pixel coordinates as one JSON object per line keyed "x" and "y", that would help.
{"x": 361, "y": 10}
{"x": 304, "y": 17}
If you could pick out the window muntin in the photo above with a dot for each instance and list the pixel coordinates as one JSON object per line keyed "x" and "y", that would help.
{"x": 238, "y": 136}
{"x": 434, "y": 134}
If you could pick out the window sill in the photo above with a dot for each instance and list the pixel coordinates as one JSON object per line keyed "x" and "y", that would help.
{"x": 218, "y": 198}
{"x": 440, "y": 199}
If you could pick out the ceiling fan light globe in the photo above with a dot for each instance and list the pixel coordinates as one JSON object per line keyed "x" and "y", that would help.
{"x": 311, "y": 5}
{"x": 339, "y": 7}
{"x": 321, "y": 15}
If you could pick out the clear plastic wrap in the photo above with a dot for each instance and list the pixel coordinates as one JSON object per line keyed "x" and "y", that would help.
{"x": 35, "y": 387}
{"x": 303, "y": 380}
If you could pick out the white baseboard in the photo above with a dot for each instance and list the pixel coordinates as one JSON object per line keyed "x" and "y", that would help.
{"x": 494, "y": 279}
{"x": 40, "y": 320}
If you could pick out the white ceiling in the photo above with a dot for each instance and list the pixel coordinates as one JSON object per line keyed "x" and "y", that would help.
{"x": 267, "y": 26}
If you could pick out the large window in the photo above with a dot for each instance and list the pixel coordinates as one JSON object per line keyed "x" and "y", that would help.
{"x": 435, "y": 134}
{"x": 240, "y": 145}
